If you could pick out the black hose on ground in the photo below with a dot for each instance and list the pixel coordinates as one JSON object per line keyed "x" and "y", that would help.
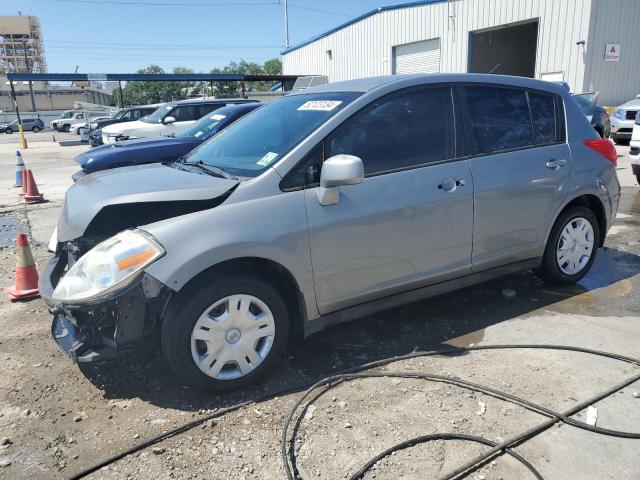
{"x": 288, "y": 454}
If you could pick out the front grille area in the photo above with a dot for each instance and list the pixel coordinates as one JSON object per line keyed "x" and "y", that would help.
{"x": 631, "y": 114}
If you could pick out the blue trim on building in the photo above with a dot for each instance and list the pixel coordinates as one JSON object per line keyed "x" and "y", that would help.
{"x": 361, "y": 17}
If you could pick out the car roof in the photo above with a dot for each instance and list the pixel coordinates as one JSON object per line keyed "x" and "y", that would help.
{"x": 197, "y": 101}
{"x": 368, "y": 84}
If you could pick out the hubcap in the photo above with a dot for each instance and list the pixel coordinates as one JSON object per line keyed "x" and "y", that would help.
{"x": 575, "y": 246}
{"x": 232, "y": 337}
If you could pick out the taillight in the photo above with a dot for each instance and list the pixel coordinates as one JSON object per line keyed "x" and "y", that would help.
{"x": 604, "y": 147}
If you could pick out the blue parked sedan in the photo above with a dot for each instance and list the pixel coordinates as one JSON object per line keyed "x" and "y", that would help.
{"x": 160, "y": 149}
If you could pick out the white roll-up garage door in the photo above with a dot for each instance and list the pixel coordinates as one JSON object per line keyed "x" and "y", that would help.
{"x": 417, "y": 57}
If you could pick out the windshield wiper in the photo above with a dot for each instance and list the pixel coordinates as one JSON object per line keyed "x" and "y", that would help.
{"x": 211, "y": 169}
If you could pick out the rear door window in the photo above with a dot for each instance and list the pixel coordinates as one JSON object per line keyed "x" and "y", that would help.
{"x": 403, "y": 130}
{"x": 184, "y": 113}
{"x": 499, "y": 118}
{"x": 208, "y": 108}
{"x": 543, "y": 114}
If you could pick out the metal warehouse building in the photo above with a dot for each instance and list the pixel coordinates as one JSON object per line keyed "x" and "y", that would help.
{"x": 593, "y": 45}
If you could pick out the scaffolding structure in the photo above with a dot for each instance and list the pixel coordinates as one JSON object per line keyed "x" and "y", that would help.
{"x": 21, "y": 47}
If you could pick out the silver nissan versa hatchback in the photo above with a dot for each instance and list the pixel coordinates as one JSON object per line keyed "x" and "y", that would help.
{"x": 323, "y": 206}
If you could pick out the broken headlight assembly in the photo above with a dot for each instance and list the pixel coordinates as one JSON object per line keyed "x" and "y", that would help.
{"x": 109, "y": 266}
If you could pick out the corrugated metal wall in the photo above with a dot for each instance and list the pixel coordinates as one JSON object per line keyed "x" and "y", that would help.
{"x": 364, "y": 48}
{"x": 614, "y": 21}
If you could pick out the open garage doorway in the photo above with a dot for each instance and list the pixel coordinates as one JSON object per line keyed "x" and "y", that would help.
{"x": 505, "y": 50}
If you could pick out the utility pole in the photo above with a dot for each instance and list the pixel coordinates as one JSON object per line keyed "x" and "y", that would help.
{"x": 286, "y": 25}
{"x": 23, "y": 140}
{"x": 28, "y": 67}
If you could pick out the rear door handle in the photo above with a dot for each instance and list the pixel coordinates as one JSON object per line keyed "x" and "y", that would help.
{"x": 553, "y": 164}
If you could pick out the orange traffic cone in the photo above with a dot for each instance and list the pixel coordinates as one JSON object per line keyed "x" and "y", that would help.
{"x": 26, "y": 274}
{"x": 32, "y": 195}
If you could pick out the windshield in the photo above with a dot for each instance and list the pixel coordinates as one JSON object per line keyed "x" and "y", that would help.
{"x": 248, "y": 146}
{"x": 585, "y": 101}
{"x": 119, "y": 114}
{"x": 66, "y": 115}
{"x": 211, "y": 123}
{"x": 158, "y": 115}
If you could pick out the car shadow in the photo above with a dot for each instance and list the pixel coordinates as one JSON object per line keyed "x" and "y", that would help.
{"x": 429, "y": 324}
{"x": 72, "y": 143}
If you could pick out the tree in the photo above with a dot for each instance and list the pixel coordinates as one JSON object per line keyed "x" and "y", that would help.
{"x": 143, "y": 93}
{"x": 146, "y": 92}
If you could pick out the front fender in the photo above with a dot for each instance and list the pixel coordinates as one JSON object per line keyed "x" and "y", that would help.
{"x": 272, "y": 228}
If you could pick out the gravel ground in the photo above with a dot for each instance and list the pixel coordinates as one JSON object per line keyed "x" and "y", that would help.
{"x": 56, "y": 419}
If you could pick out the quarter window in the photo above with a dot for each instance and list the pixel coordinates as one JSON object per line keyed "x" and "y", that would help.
{"x": 543, "y": 113}
{"x": 499, "y": 118}
{"x": 307, "y": 172}
{"x": 403, "y": 130}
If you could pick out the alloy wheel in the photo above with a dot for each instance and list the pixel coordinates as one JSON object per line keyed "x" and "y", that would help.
{"x": 232, "y": 337}
{"x": 575, "y": 246}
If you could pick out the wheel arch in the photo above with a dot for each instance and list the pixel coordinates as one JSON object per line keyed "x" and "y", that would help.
{"x": 593, "y": 203}
{"x": 270, "y": 271}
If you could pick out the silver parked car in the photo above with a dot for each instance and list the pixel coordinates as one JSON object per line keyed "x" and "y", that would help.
{"x": 323, "y": 206}
{"x": 622, "y": 120}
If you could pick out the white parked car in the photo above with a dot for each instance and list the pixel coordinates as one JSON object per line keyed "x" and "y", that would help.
{"x": 634, "y": 152}
{"x": 622, "y": 120}
{"x": 170, "y": 118}
{"x": 70, "y": 117}
{"x": 75, "y": 127}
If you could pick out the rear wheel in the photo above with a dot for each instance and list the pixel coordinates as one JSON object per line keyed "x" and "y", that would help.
{"x": 572, "y": 246}
{"x": 227, "y": 334}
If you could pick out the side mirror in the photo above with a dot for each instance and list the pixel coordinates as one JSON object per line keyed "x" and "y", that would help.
{"x": 337, "y": 171}
{"x": 169, "y": 120}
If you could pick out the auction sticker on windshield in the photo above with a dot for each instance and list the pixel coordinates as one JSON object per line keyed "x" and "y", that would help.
{"x": 321, "y": 105}
{"x": 267, "y": 159}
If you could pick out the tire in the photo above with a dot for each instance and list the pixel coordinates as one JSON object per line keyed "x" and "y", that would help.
{"x": 638, "y": 178}
{"x": 66, "y": 128}
{"x": 190, "y": 307}
{"x": 35, "y": 129}
{"x": 8, "y": 131}
{"x": 567, "y": 273}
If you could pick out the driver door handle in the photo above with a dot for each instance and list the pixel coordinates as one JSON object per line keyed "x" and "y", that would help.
{"x": 554, "y": 164}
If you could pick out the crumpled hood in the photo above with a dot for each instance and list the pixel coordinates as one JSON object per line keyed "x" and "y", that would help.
{"x": 131, "y": 185}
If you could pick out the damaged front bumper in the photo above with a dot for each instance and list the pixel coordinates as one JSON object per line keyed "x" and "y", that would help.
{"x": 99, "y": 330}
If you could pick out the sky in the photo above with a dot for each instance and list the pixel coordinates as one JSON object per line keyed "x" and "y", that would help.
{"x": 122, "y": 36}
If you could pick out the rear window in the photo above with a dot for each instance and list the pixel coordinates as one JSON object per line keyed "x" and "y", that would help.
{"x": 499, "y": 118}
{"x": 543, "y": 114}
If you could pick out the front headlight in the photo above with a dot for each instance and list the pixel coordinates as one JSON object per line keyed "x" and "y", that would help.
{"x": 108, "y": 266}
{"x": 94, "y": 125}
{"x": 619, "y": 113}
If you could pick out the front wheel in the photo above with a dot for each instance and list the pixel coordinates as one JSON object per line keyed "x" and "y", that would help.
{"x": 35, "y": 129}
{"x": 8, "y": 131}
{"x": 66, "y": 128}
{"x": 572, "y": 246}
{"x": 226, "y": 334}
